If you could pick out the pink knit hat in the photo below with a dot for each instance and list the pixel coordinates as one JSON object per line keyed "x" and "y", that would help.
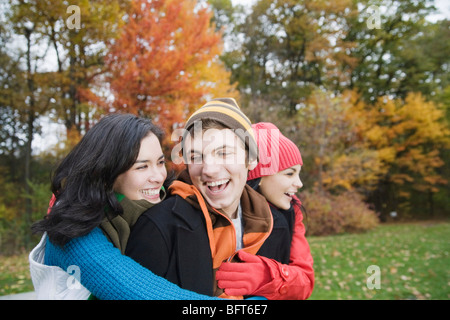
{"x": 276, "y": 152}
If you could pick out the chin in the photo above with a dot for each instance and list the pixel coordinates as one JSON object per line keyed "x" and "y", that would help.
{"x": 284, "y": 206}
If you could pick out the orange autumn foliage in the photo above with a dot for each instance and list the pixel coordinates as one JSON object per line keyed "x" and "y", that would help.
{"x": 160, "y": 66}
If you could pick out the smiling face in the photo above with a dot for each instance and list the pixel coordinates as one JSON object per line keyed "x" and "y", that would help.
{"x": 218, "y": 167}
{"x": 279, "y": 188}
{"x": 145, "y": 178}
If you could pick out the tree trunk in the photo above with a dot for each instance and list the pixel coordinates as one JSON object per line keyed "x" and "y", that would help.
{"x": 29, "y": 136}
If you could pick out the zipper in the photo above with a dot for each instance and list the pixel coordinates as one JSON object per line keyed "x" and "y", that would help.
{"x": 234, "y": 229}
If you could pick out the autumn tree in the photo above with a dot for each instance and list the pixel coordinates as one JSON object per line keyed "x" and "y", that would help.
{"x": 327, "y": 129}
{"x": 166, "y": 61}
{"x": 404, "y": 53}
{"x": 409, "y": 135}
{"x": 392, "y": 152}
{"x": 35, "y": 85}
{"x": 12, "y": 124}
{"x": 33, "y": 98}
{"x": 289, "y": 48}
{"x": 77, "y": 35}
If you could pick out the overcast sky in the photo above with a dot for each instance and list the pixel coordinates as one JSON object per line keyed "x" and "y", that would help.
{"x": 442, "y": 5}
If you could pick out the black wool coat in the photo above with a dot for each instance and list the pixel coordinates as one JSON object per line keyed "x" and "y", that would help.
{"x": 170, "y": 239}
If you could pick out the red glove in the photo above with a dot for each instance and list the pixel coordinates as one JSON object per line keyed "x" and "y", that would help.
{"x": 243, "y": 278}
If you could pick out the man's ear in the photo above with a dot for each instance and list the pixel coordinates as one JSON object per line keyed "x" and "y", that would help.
{"x": 252, "y": 164}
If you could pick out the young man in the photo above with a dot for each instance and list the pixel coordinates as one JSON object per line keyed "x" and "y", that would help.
{"x": 212, "y": 213}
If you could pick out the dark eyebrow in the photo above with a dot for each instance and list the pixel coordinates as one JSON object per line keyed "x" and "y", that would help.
{"x": 144, "y": 161}
{"x": 225, "y": 146}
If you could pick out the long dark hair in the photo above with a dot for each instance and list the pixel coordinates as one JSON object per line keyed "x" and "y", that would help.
{"x": 83, "y": 181}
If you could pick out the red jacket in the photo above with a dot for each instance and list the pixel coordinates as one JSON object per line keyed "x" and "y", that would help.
{"x": 293, "y": 281}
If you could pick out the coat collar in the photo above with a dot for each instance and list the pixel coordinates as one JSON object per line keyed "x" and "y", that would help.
{"x": 186, "y": 213}
{"x": 258, "y": 221}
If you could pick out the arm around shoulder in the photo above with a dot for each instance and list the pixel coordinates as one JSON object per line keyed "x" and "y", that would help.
{"x": 148, "y": 246}
{"x": 109, "y": 275}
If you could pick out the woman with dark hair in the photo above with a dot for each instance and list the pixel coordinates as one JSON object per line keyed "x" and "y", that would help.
{"x": 116, "y": 172}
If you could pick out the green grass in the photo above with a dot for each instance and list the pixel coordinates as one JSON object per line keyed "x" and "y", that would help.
{"x": 15, "y": 274}
{"x": 413, "y": 259}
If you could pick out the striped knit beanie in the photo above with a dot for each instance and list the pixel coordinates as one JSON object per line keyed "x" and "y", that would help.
{"x": 276, "y": 152}
{"x": 227, "y": 112}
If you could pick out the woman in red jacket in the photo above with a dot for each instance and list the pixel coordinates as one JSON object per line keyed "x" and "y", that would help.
{"x": 277, "y": 178}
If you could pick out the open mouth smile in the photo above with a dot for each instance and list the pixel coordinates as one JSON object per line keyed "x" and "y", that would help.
{"x": 217, "y": 186}
{"x": 150, "y": 193}
{"x": 289, "y": 194}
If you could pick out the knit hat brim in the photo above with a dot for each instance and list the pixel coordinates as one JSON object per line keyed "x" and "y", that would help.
{"x": 227, "y": 112}
{"x": 276, "y": 152}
